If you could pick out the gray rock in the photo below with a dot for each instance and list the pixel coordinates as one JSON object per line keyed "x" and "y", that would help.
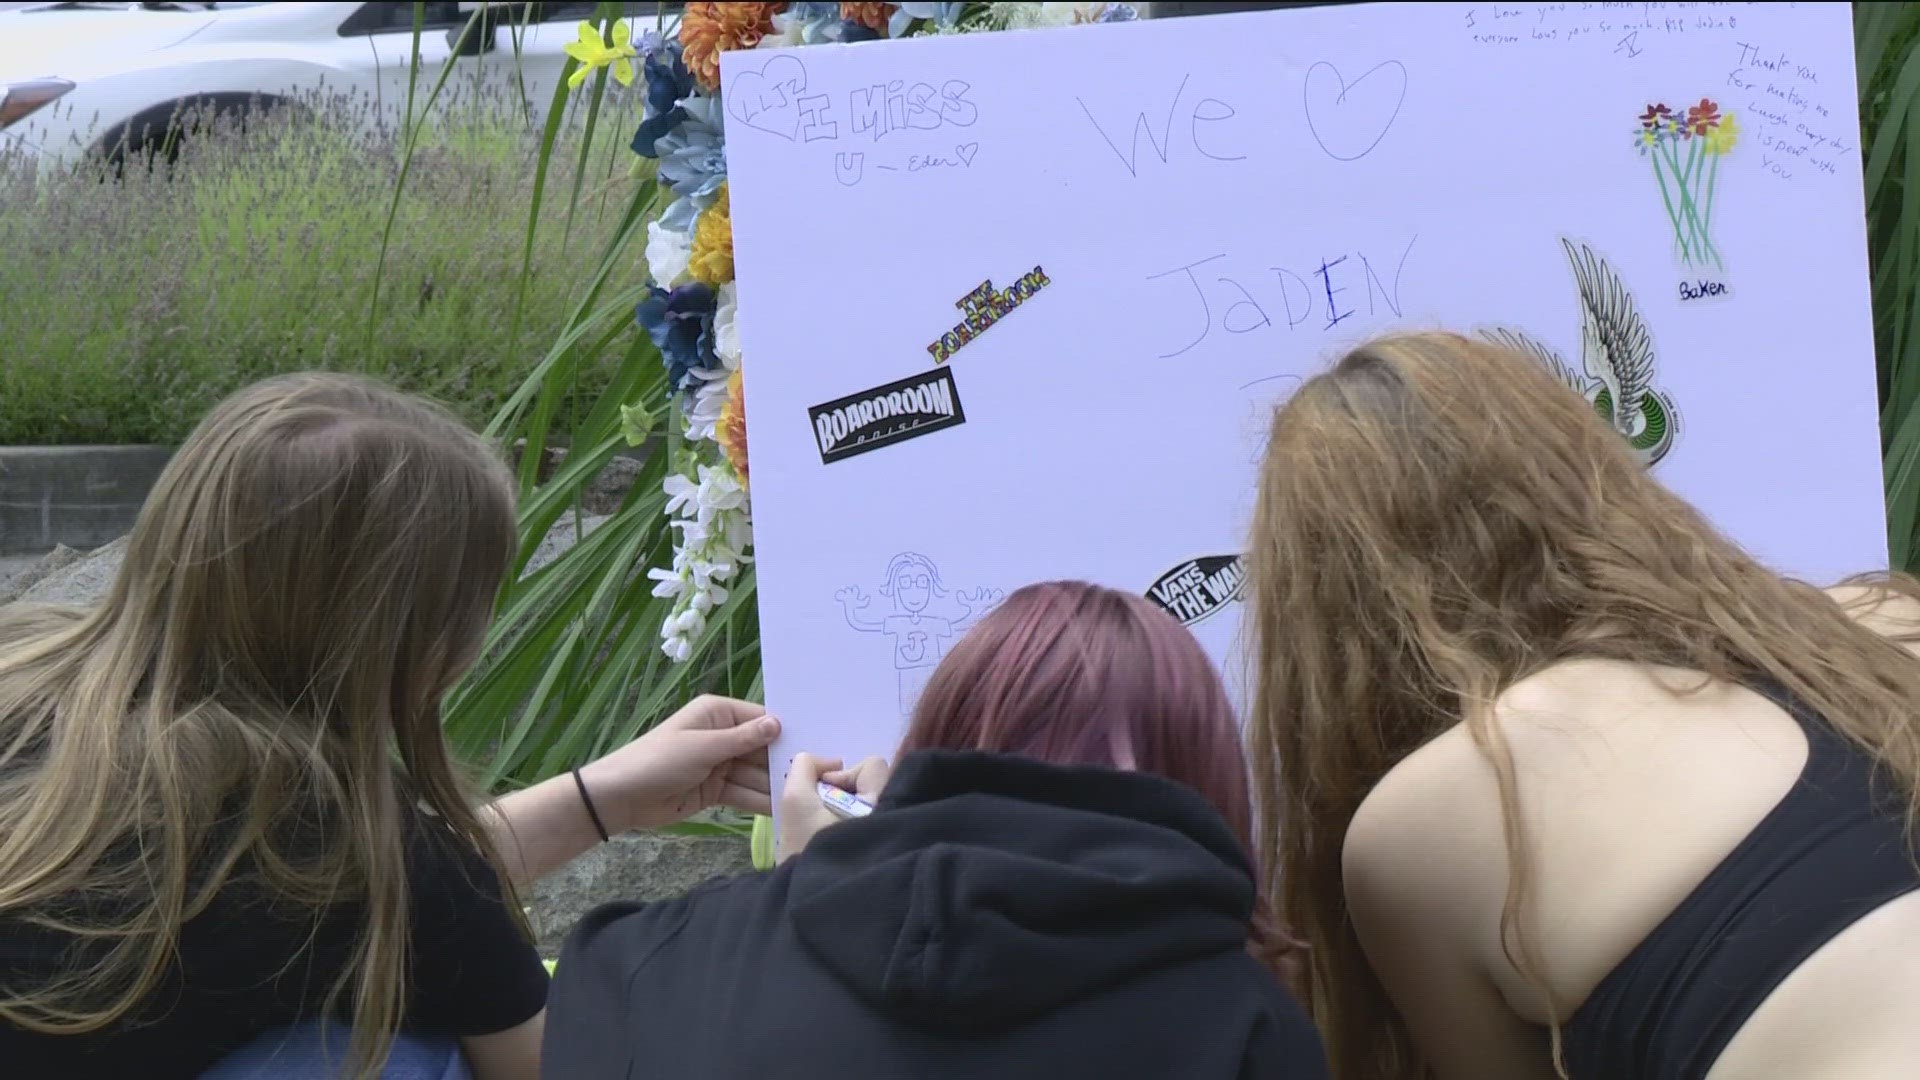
{"x": 81, "y": 582}
{"x": 25, "y": 572}
{"x": 605, "y": 492}
{"x": 562, "y": 536}
{"x": 641, "y": 866}
{"x": 608, "y": 488}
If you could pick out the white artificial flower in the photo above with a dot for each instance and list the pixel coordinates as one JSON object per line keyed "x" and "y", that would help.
{"x": 719, "y": 490}
{"x": 788, "y": 31}
{"x": 671, "y": 582}
{"x": 737, "y": 535}
{"x": 1029, "y": 16}
{"x": 690, "y": 623}
{"x": 726, "y": 328}
{"x": 668, "y": 253}
{"x": 681, "y": 492}
{"x": 704, "y": 410}
{"x": 710, "y": 512}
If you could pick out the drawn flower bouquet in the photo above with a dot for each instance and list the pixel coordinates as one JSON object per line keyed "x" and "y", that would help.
{"x": 1686, "y": 149}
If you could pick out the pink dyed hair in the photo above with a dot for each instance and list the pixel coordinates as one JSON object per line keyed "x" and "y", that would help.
{"x": 1072, "y": 673}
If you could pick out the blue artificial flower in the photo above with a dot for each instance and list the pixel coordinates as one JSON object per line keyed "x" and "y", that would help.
{"x": 693, "y": 158}
{"x": 943, "y": 16}
{"x": 668, "y": 82}
{"x": 817, "y": 22}
{"x": 851, "y": 31}
{"x": 1118, "y": 13}
{"x": 681, "y": 326}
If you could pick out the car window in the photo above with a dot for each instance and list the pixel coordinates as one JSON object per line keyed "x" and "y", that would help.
{"x": 397, "y": 17}
{"x": 577, "y": 12}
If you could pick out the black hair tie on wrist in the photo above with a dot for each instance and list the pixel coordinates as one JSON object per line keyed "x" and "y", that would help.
{"x": 587, "y": 801}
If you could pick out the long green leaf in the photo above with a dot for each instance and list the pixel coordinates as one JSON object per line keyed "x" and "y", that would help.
{"x": 412, "y": 132}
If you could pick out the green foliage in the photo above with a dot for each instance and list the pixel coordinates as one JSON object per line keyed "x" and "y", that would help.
{"x": 1889, "y": 68}
{"x": 129, "y": 307}
{"x": 573, "y": 665}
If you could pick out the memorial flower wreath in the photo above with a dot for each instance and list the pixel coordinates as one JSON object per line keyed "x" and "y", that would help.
{"x": 690, "y": 308}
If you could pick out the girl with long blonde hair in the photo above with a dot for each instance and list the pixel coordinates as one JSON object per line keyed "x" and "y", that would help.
{"x": 226, "y": 806}
{"x": 1559, "y": 780}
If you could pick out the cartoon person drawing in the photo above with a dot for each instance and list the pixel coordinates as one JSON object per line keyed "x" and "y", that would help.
{"x": 921, "y": 633}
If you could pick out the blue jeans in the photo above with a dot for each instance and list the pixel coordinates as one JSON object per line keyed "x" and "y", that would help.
{"x": 318, "y": 1051}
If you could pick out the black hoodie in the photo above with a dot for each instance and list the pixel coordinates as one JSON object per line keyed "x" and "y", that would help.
{"x": 994, "y": 918}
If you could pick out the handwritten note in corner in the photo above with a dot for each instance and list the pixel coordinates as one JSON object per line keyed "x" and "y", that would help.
{"x": 1018, "y": 305}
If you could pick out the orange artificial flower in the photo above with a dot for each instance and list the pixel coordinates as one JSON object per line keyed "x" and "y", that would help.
{"x": 872, "y": 16}
{"x": 707, "y": 30}
{"x": 733, "y": 426}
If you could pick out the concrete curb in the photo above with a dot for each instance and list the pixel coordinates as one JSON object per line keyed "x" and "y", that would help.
{"x": 77, "y": 496}
{"x": 85, "y": 497}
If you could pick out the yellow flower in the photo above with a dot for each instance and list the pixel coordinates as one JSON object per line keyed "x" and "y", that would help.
{"x": 593, "y": 52}
{"x": 733, "y": 426}
{"x": 1722, "y": 137}
{"x": 712, "y": 259}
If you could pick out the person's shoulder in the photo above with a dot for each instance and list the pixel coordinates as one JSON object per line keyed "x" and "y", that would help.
{"x": 1236, "y": 1001}
{"x": 1887, "y": 608}
{"x": 642, "y": 928}
{"x": 1437, "y": 813}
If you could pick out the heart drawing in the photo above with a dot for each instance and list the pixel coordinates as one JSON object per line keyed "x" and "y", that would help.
{"x": 765, "y": 100}
{"x": 966, "y": 152}
{"x": 1348, "y": 119}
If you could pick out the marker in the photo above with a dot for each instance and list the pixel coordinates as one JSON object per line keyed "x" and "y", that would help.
{"x": 843, "y": 804}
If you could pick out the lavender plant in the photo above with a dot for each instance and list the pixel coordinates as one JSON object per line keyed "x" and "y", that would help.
{"x": 129, "y": 305}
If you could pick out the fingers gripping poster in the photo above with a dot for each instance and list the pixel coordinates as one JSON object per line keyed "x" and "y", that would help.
{"x": 1018, "y": 306}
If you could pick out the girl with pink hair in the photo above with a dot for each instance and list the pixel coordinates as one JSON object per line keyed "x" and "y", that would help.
{"x": 1058, "y": 880}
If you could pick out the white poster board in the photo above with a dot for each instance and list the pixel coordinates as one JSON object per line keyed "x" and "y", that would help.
{"x": 1164, "y": 225}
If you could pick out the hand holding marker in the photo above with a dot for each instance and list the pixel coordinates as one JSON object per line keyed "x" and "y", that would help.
{"x": 819, "y": 793}
{"x": 843, "y": 804}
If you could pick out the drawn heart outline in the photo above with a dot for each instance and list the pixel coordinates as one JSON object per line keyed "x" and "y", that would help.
{"x": 966, "y": 152}
{"x": 764, "y": 100}
{"x": 1339, "y": 100}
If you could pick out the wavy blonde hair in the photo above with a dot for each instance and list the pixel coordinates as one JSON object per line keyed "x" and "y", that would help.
{"x": 1438, "y": 518}
{"x": 314, "y": 569}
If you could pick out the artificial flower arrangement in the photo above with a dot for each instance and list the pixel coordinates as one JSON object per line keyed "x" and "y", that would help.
{"x": 690, "y": 308}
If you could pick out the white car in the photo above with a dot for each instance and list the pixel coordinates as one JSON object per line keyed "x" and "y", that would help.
{"x": 106, "y": 78}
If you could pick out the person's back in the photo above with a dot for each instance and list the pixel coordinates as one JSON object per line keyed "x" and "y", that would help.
{"x": 232, "y": 834}
{"x": 995, "y": 917}
{"x": 1613, "y": 800}
{"x": 204, "y": 832}
{"x": 1017, "y": 906}
{"x": 1687, "y": 853}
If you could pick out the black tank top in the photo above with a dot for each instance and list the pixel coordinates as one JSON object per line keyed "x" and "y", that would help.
{"x": 1832, "y": 851}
